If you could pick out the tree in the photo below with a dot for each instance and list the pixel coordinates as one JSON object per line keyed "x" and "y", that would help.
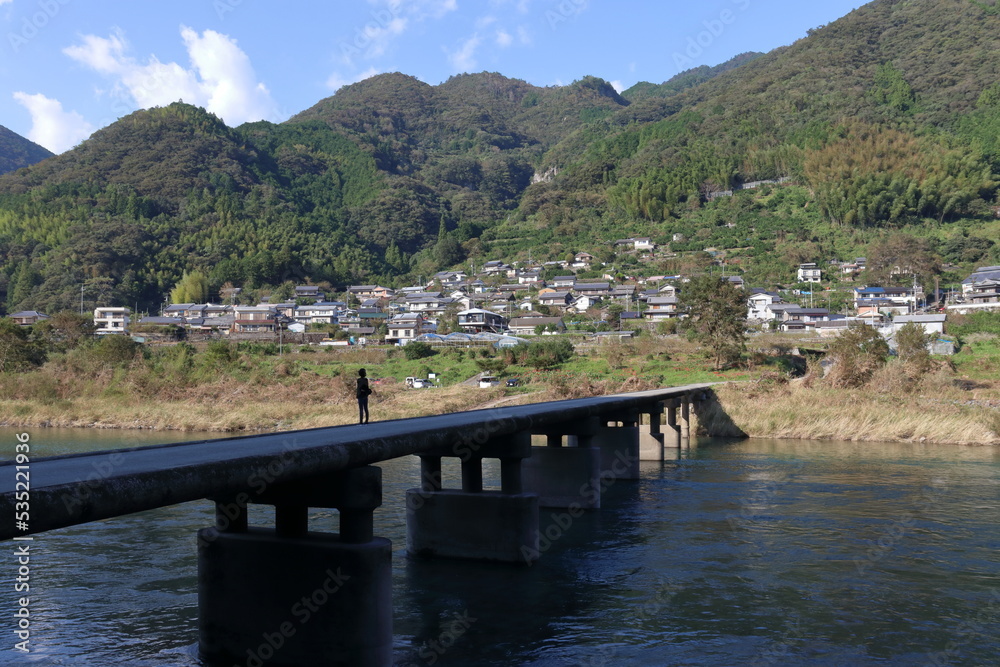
{"x": 717, "y": 310}
{"x": 911, "y": 345}
{"x": 192, "y": 288}
{"x": 417, "y": 350}
{"x": 901, "y": 254}
{"x": 857, "y": 353}
{"x": 614, "y": 315}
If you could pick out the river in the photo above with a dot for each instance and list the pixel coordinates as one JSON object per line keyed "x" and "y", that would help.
{"x": 759, "y": 552}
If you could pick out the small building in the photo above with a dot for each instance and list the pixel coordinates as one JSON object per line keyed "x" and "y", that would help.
{"x": 26, "y": 318}
{"x": 931, "y": 324}
{"x": 809, "y": 273}
{"x": 308, "y": 292}
{"x": 525, "y": 326}
{"x": 111, "y": 320}
{"x": 563, "y": 281}
{"x": 254, "y": 319}
{"x": 556, "y": 299}
{"x": 478, "y": 320}
{"x": 406, "y": 327}
{"x": 661, "y": 307}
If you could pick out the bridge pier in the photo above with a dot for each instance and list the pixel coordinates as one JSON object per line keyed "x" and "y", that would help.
{"x": 618, "y": 440}
{"x": 566, "y": 476}
{"x": 287, "y": 596}
{"x": 473, "y": 523}
{"x": 651, "y": 438}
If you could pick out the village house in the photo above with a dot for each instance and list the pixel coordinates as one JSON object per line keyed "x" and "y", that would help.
{"x": 563, "y": 281}
{"x": 478, "y": 320}
{"x": 851, "y": 270}
{"x": 560, "y": 300}
{"x": 799, "y": 318}
{"x": 370, "y": 292}
{"x": 640, "y": 243}
{"x": 111, "y": 320}
{"x": 582, "y": 260}
{"x": 526, "y": 326}
{"x": 318, "y": 313}
{"x": 896, "y": 300}
{"x": 532, "y": 277}
{"x": 26, "y": 318}
{"x": 405, "y": 328}
{"x": 758, "y": 302}
{"x": 931, "y": 324}
{"x": 585, "y": 302}
{"x": 592, "y": 289}
{"x": 254, "y": 319}
{"x": 661, "y": 308}
{"x": 809, "y": 273}
{"x": 309, "y": 292}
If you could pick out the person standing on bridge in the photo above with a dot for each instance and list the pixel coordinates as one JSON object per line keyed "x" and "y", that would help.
{"x": 364, "y": 391}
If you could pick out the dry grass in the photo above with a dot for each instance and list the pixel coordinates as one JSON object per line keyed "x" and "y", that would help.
{"x": 893, "y": 407}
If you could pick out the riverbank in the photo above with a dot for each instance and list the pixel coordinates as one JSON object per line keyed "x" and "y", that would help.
{"x": 757, "y": 409}
{"x": 229, "y": 390}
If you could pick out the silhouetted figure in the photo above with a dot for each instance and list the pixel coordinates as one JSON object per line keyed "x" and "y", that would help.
{"x": 364, "y": 391}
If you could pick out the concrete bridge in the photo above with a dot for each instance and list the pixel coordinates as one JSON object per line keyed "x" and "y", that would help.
{"x": 320, "y": 598}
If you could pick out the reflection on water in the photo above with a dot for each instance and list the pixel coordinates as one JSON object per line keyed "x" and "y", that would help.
{"x": 759, "y": 552}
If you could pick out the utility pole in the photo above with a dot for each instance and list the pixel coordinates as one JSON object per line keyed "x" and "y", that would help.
{"x": 81, "y": 299}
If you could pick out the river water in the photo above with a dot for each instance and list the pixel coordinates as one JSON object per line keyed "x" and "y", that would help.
{"x": 736, "y": 553}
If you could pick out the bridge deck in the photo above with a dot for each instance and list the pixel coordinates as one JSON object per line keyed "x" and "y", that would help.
{"x": 78, "y": 488}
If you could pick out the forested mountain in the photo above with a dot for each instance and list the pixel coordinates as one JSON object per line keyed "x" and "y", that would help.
{"x": 17, "y": 152}
{"x": 886, "y": 122}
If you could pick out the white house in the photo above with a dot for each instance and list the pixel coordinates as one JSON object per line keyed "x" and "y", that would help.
{"x": 757, "y": 305}
{"x": 404, "y": 328}
{"x": 932, "y": 324}
{"x": 111, "y": 320}
{"x": 809, "y": 273}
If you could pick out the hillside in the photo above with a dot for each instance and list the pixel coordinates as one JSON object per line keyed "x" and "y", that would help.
{"x": 17, "y": 152}
{"x": 885, "y": 123}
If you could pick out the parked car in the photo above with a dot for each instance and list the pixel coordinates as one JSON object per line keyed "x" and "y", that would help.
{"x": 487, "y": 381}
{"x": 418, "y": 383}
{"x": 513, "y": 382}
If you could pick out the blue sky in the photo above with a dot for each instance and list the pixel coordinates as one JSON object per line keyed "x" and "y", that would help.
{"x": 70, "y": 67}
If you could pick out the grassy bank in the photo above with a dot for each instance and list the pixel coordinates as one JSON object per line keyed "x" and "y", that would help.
{"x": 232, "y": 389}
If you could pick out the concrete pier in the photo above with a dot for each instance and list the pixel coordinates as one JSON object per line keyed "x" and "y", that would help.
{"x": 473, "y": 523}
{"x": 651, "y": 438}
{"x": 618, "y": 440}
{"x": 566, "y": 475}
{"x": 286, "y": 596}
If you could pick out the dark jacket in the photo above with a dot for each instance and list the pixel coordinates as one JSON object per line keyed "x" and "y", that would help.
{"x": 363, "y": 389}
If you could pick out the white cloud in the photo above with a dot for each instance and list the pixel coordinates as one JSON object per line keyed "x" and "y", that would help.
{"x": 464, "y": 60}
{"x": 485, "y": 22}
{"x": 221, "y": 77}
{"x": 617, "y": 85}
{"x": 5, "y": 2}
{"x": 523, "y": 35}
{"x": 503, "y": 38}
{"x": 51, "y": 126}
{"x": 336, "y": 81}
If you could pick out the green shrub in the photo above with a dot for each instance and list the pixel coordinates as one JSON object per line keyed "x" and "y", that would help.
{"x": 417, "y": 350}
